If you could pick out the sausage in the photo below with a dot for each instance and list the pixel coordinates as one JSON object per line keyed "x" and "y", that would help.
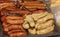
{"x": 21, "y": 12}
{"x": 19, "y": 34}
{"x": 46, "y": 30}
{"x": 34, "y": 4}
{"x": 40, "y": 15}
{"x": 12, "y": 27}
{"x": 8, "y": 27}
{"x": 15, "y": 21}
{"x": 32, "y": 31}
{"x": 45, "y": 18}
{"x": 17, "y": 11}
{"x": 30, "y": 20}
{"x": 4, "y": 5}
{"x": 38, "y": 7}
{"x": 14, "y": 31}
{"x": 26, "y": 25}
{"x": 44, "y": 25}
{"x": 14, "y": 17}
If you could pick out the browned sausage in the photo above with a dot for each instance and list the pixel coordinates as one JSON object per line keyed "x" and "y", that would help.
{"x": 4, "y": 5}
{"x": 34, "y": 4}
{"x": 14, "y": 17}
{"x": 15, "y": 21}
{"x": 39, "y": 11}
{"x": 14, "y": 31}
{"x": 14, "y": 26}
{"x": 11, "y": 27}
{"x": 18, "y": 11}
{"x": 19, "y": 34}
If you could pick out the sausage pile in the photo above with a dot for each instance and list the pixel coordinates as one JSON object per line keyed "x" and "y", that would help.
{"x": 12, "y": 24}
{"x": 39, "y": 23}
{"x": 21, "y": 18}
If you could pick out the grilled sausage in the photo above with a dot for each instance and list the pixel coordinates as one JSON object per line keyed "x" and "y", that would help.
{"x": 15, "y": 31}
{"x": 14, "y": 17}
{"x": 12, "y": 27}
{"x": 19, "y": 34}
{"x": 4, "y": 5}
{"x": 34, "y": 4}
{"x": 15, "y": 21}
{"x": 17, "y": 11}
